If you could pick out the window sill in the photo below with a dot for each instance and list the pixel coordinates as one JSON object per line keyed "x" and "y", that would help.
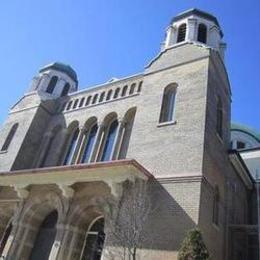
{"x": 167, "y": 123}
{"x": 2, "y": 152}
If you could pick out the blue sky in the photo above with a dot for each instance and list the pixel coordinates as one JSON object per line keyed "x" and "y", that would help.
{"x": 105, "y": 38}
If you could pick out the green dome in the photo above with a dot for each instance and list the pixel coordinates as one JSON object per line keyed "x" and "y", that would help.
{"x": 245, "y": 129}
{"x": 62, "y": 68}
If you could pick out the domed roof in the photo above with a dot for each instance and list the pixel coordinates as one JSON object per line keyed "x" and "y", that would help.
{"x": 245, "y": 129}
{"x": 195, "y": 11}
{"x": 63, "y": 68}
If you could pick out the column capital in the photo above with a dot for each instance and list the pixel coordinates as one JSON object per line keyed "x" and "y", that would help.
{"x": 67, "y": 191}
{"x": 21, "y": 191}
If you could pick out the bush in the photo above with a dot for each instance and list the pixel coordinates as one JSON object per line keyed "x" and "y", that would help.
{"x": 193, "y": 247}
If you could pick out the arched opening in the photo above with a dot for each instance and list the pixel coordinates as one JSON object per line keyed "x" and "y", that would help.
{"x": 168, "y": 104}
{"x": 132, "y": 89}
{"x": 94, "y": 100}
{"x": 108, "y": 143}
{"x": 71, "y": 147}
{"x": 101, "y": 97}
{"x": 88, "y": 100}
{"x": 126, "y": 133}
{"x": 9, "y": 137}
{"x": 5, "y": 237}
{"x": 116, "y": 93}
{"x": 202, "y": 33}
{"x": 88, "y": 143}
{"x": 75, "y": 103}
{"x": 140, "y": 86}
{"x": 109, "y": 94}
{"x": 124, "y": 91}
{"x": 69, "y": 105}
{"x": 52, "y": 84}
{"x": 45, "y": 238}
{"x": 65, "y": 90}
{"x": 94, "y": 241}
{"x": 81, "y": 102}
{"x": 219, "y": 125}
{"x": 182, "y": 33}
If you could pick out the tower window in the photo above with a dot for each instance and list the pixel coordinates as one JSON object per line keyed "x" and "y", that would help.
{"x": 219, "y": 118}
{"x": 168, "y": 104}
{"x": 65, "y": 90}
{"x": 202, "y": 33}
{"x": 241, "y": 145}
{"x": 9, "y": 137}
{"x": 182, "y": 33}
{"x": 52, "y": 84}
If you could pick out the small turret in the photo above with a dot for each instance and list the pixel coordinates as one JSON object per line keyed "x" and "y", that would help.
{"x": 195, "y": 26}
{"x": 55, "y": 80}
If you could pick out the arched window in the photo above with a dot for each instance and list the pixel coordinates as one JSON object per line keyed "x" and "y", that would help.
{"x": 75, "y": 103}
{"x": 101, "y": 98}
{"x": 219, "y": 118}
{"x": 132, "y": 89}
{"x": 95, "y": 99}
{"x": 202, "y": 33}
{"x": 140, "y": 86}
{"x": 116, "y": 93}
{"x": 88, "y": 100}
{"x": 9, "y": 137}
{"x": 168, "y": 103}
{"x": 69, "y": 105}
{"x": 109, "y": 94}
{"x": 45, "y": 238}
{"x": 215, "y": 216}
{"x": 65, "y": 90}
{"x": 81, "y": 102}
{"x": 71, "y": 148}
{"x": 88, "y": 143}
{"x": 109, "y": 142}
{"x": 124, "y": 91}
{"x": 94, "y": 241}
{"x": 5, "y": 237}
{"x": 52, "y": 84}
{"x": 182, "y": 33}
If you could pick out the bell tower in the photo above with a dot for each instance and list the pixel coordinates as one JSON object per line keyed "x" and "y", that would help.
{"x": 197, "y": 27}
{"x": 55, "y": 80}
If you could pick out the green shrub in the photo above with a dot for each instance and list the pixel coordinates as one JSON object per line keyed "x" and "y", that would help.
{"x": 193, "y": 247}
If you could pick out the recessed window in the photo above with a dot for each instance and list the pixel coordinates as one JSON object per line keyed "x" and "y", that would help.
{"x": 132, "y": 88}
{"x": 140, "y": 86}
{"x": 9, "y": 137}
{"x": 94, "y": 100}
{"x": 109, "y": 143}
{"x": 124, "y": 90}
{"x": 168, "y": 104}
{"x": 52, "y": 84}
{"x": 71, "y": 149}
{"x": 69, "y": 105}
{"x": 65, "y": 90}
{"x": 109, "y": 94}
{"x": 88, "y": 100}
{"x": 94, "y": 241}
{"x": 241, "y": 145}
{"x": 202, "y": 33}
{"x": 81, "y": 102}
{"x": 116, "y": 93}
{"x": 101, "y": 97}
{"x": 182, "y": 33}
{"x": 75, "y": 103}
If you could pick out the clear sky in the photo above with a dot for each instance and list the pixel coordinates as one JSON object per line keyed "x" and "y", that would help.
{"x": 101, "y": 39}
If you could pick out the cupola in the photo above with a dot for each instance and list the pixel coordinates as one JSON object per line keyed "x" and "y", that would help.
{"x": 195, "y": 26}
{"x": 55, "y": 80}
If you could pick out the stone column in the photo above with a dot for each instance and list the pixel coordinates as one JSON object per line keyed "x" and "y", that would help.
{"x": 97, "y": 143}
{"x": 118, "y": 139}
{"x": 222, "y": 50}
{"x": 44, "y": 82}
{"x": 191, "y": 34}
{"x": 76, "y": 152}
{"x": 214, "y": 37}
{"x": 170, "y": 36}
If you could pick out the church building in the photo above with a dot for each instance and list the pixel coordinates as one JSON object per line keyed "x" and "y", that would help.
{"x": 66, "y": 153}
